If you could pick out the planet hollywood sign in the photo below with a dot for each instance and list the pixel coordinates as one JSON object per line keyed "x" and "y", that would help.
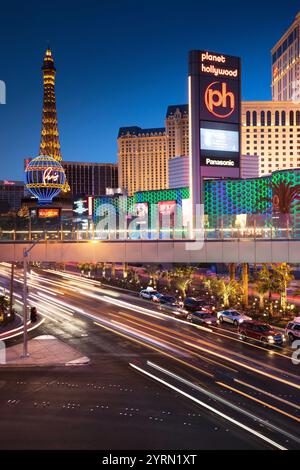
{"x": 217, "y": 71}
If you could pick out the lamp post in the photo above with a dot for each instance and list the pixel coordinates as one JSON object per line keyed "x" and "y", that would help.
{"x": 11, "y": 295}
{"x": 26, "y": 252}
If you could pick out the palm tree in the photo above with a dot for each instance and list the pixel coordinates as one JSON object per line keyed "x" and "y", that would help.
{"x": 167, "y": 276}
{"x": 228, "y": 291}
{"x": 285, "y": 197}
{"x": 284, "y": 275}
{"x": 182, "y": 283}
{"x": 245, "y": 280}
{"x": 232, "y": 270}
{"x": 153, "y": 271}
{"x": 264, "y": 285}
{"x": 267, "y": 282}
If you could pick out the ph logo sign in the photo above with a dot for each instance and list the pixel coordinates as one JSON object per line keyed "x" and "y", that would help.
{"x": 219, "y": 100}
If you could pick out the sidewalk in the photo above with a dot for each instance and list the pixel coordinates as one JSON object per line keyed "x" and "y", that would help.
{"x": 45, "y": 350}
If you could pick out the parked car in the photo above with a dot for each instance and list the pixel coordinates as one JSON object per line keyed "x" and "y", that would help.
{"x": 168, "y": 299}
{"x": 261, "y": 332}
{"x": 292, "y": 330}
{"x": 148, "y": 293}
{"x": 202, "y": 318}
{"x": 192, "y": 304}
{"x": 232, "y": 316}
{"x": 156, "y": 297}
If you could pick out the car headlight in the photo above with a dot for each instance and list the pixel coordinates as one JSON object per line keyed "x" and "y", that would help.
{"x": 270, "y": 339}
{"x": 241, "y": 320}
{"x": 209, "y": 322}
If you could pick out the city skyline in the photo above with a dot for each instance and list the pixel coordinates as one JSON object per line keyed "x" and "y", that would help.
{"x": 79, "y": 99}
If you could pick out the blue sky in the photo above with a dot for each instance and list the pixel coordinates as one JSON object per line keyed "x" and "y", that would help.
{"x": 120, "y": 62}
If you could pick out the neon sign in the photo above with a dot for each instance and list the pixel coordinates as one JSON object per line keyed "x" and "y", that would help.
{"x": 219, "y": 101}
{"x": 50, "y": 176}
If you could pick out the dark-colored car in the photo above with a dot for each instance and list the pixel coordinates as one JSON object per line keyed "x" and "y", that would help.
{"x": 168, "y": 299}
{"x": 193, "y": 305}
{"x": 262, "y": 332}
{"x": 202, "y": 318}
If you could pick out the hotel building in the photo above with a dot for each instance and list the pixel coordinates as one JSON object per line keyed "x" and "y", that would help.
{"x": 271, "y": 130}
{"x": 142, "y": 157}
{"x": 286, "y": 65}
{"x": 11, "y": 194}
{"x": 91, "y": 178}
{"x": 143, "y": 154}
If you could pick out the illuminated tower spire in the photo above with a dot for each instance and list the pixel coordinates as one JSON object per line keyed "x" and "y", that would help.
{"x": 50, "y": 145}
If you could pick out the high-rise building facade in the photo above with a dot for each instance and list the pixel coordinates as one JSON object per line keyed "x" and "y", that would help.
{"x": 143, "y": 154}
{"x": 286, "y": 65}
{"x": 177, "y": 131}
{"x": 271, "y": 130}
{"x": 11, "y": 194}
{"x": 179, "y": 172}
{"x": 270, "y": 134}
{"x": 142, "y": 159}
{"x": 91, "y": 179}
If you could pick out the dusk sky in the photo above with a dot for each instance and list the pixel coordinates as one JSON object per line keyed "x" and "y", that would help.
{"x": 120, "y": 63}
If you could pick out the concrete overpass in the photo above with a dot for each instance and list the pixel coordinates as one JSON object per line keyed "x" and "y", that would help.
{"x": 159, "y": 251}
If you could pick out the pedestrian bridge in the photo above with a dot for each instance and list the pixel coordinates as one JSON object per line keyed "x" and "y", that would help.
{"x": 230, "y": 250}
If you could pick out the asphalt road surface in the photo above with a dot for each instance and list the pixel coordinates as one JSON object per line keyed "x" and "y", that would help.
{"x": 154, "y": 382}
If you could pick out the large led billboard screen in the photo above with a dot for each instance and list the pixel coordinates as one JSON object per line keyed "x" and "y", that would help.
{"x": 215, "y": 116}
{"x": 220, "y": 140}
{"x": 219, "y": 145}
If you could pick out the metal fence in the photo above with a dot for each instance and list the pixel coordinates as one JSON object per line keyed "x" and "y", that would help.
{"x": 78, "y": 234}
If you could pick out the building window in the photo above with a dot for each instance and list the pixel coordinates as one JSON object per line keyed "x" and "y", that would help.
{"x": 248, "y": 119}
{"x": 276, "y": 118}
{"x": 283, "y": 118}
{"x": 254, "y": 118}
{"x": 269, "y": 118}
{"x": 291, "y": 118}
{"x": 262, "y": 118}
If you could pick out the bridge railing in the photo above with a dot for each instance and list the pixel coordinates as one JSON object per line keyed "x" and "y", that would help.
{"x": 73, "y": 235}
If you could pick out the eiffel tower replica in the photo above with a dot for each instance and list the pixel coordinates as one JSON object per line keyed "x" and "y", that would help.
{"x": 50, "y": 145}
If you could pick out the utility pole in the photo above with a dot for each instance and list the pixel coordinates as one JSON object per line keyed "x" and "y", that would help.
{"x": 11, "y": 294}
{"x": 26, "y": 252}
{"x": 25, "y": 309}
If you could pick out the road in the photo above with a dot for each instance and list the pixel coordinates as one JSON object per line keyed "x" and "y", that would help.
{"x": 155, "y": 382}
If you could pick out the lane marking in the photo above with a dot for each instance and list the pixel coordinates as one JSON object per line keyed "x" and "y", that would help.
{"x": 146, "y": 345}
{"x": 286, "y": 402}
{"x": 210, "y": 408}
{"x": 245, "y": 366}
{"x": 246, "y": 395}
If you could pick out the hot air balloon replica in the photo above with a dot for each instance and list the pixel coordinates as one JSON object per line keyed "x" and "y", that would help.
{"x": 44, "y": 178}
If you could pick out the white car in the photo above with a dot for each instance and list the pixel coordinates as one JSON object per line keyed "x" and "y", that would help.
{"x": 148, "y": 294}
{"x": 232, "y": 316}
{"x": 292, "y": 330}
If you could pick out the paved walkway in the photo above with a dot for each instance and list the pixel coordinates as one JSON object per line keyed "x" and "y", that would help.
{"x": 45, "y": 351}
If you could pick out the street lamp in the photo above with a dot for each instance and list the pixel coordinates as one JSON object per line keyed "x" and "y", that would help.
{"x": 26, "y": 252}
